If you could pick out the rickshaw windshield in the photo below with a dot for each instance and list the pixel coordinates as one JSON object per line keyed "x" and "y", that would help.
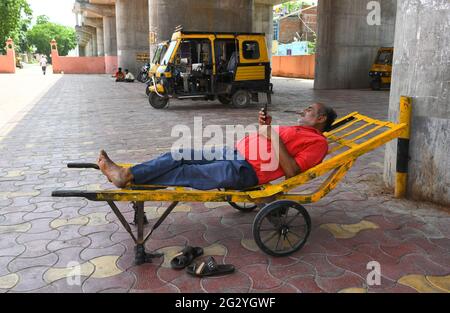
{"x": 159, "y": 54}
{"x": 169, "y": 53}
{"x": 384, "y": 57}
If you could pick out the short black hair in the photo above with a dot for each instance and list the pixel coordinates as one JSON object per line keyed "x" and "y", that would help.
{"x": 120, "y": 68}
{"x": 126, "y": 70}
{"x": 330, "y": 114}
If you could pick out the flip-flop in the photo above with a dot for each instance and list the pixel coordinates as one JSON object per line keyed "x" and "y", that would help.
{"x": 210, "y": 268}
{"x": 185, "y": 257}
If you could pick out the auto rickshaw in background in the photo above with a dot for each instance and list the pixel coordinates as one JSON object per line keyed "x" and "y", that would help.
{"x": 155, "y": 63}
{"x": 19, "y": 63}
{"x": 381, "y": 70}
{"x": 231, "y": 67}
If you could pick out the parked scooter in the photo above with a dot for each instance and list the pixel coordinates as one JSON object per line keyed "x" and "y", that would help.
{"x": 143, "y": 74}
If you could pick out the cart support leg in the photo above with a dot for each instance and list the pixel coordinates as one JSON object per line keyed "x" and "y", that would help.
{"x": 142, "y": 256}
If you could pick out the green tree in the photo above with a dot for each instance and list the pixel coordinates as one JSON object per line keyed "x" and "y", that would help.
{"x": 44, "y": 31}
{"x": 13, "y": 15}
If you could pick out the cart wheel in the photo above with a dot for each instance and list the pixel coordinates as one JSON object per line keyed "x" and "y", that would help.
{"x": 243, "y": 206}
{"x": 281, "y": 228}
{"x": 240, "y": 99}
{"x": 224, "y": 99}
{"x": 157, "y": 102}
{"x": 147, "y": 90}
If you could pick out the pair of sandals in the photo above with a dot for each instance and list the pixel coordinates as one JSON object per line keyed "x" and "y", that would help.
{"x": 207, "y": 268}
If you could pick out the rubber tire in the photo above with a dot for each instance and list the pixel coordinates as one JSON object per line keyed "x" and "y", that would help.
{"x": 157, "y": 102}
{"x": 243, "y": 209}
{"x": 273, "y": 207}
{"x": 240, "y": 99}
{"x": 375, "y": 84}
{"x": 224, "y": 99}
{"x": 147, "y": 91}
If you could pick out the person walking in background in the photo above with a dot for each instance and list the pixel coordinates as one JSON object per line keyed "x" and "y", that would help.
{"x": 43, "y": 64}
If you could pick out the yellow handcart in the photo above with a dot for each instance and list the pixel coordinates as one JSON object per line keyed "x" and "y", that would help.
{"x": 282, "y": 225}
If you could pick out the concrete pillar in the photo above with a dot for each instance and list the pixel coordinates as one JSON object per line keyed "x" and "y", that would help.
{"x": 132, "y": 33}
{"x": 199, "y": 15}
{"x": 422, "y": 71}
{"x": 100, "y": 42}
{"x": 110, "y": 36}
{"x": 263, "y": 23}
{"x": 347, "y": 45}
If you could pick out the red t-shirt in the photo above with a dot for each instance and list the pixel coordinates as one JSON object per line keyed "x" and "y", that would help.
{"x": 305, "y": 144}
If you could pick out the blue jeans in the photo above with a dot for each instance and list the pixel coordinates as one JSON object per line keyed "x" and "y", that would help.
{"x": 199, "y": 173}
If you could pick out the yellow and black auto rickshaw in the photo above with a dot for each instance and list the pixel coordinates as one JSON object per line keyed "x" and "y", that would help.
{"x": 155, "y": 63}
{"x": 231, "y": 67}
{"x": 381, "y": 70}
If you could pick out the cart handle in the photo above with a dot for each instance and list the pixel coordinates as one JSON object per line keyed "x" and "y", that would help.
{"x": 83, "y": 165}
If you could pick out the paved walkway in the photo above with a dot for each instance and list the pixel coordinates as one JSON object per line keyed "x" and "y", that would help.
{"x": 41, "y": 236}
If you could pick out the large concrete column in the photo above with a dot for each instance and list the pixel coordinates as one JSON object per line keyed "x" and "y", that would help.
{"x": 199, "y": 15}
{"x": 347, "y": 45}
{"x": 422, "y": 71}
{"x": 100, "y": 42}
{"x": 263, "y": 23}
{"x": 132, "y": 33}
{"x": 95, "y": 25}
{"x": 110, "y": 36}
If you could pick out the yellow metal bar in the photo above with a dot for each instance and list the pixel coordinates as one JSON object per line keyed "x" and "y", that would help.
{"x": 350, "y": 143}
{"x": 354, "y": 131}
{"x": 401, "y": 179}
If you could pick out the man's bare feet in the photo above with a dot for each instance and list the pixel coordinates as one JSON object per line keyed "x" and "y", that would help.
{"x": 118, "y": 175}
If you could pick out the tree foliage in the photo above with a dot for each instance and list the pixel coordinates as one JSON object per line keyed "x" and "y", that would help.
{"x": 14, "y": 16}
{"x": 44, "y": 31}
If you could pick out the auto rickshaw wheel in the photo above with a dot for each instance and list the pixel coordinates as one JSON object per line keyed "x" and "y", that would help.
{"x": 224, "y": 99}
{"x": 243, "y": 206}
{"x": 157, "y": 102}
{"x": 375, "y": 84}
{"x": 281, "y": 228}
{"x": 240, "y": 99}
{"x": 147, "y": 90}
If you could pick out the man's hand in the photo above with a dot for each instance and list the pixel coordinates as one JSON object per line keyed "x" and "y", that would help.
{"x": 266, "y": 131}
{"x": 263, "y": 119}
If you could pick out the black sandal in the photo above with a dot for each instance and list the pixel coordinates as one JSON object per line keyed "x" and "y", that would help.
{"x": 210, "y": 268}
{"x": 185, "y": 257}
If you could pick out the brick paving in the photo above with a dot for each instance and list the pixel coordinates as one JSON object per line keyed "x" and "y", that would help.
{"x": 40, "y": 236}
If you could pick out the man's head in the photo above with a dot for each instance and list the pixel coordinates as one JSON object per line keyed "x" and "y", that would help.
{"x": 126, "y": 71}
{"x": 120, "y": 69}
{"x": 318, "y": 116}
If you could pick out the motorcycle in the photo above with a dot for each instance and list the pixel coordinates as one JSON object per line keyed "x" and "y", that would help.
{"x": 143, "y": 74}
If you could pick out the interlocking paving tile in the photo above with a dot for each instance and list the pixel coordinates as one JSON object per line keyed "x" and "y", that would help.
{"x": 9, "y": 281}
{"x": 55, "y": 245}
{"x": 237, "y": 280}
{"x": 30, "y": 279}
{"x": 345, "y": 231}
{"x": 23, "y": 263}
{"x": 423, "y": 283}
{"x": 88, "y": 254}
{"x": 261, "y": 277}
{"x": 285, "y": 272}
{"x": 305, "y": 284}
{"x": 335, "y": 284}
{"x": 18, "y": 228}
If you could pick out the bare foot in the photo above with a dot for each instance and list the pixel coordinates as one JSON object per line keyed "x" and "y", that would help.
{"x": 118, "y": 175}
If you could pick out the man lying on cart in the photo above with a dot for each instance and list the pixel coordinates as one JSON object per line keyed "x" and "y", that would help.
{"x": 298, "y": 148}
